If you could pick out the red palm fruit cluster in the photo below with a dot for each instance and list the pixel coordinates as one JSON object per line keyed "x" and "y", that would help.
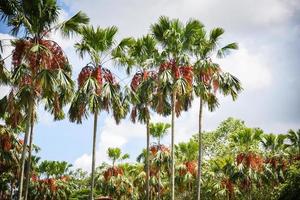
{"x": 108, "y": 76}
{"x": 6, "y": 143}
{"x": 84, "y": 74}
{"x": 228, "y": 185}
{"x": 171, "y": 65}
{"x": 57, "y": 58}
{"x": 252, "y": 160}
{"x": 65, "y": 178}
{"x": 25, "y": 80}
{"x": 154, "y": 171}
{"x": 189, "y": 167}
{"x": 215, "y": 85}
{"x": 185, "y": 72}
{"x": 15, "y": 115}
{"x": 18, "y": 53}
{"x": 296, "y": 158}
{"x": 113, "y": 171}
{"x": 245, "y": 183}
{"x": 97, "y": 74}
{"x": 34, "y": 178}
{"x": 276, "y": 162}
{"x": 155, "y": 148}
{"x": 141, "y": 76}
{"x": 49, "y": 182}
{"x": 207, "y": 74}
{"x": 51, "y": 56}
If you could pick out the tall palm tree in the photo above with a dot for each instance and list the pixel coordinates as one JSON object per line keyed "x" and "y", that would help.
{"x": 97, "y": 86}
{"x": 175, "y": 74}
{"x": 141, "y": 55}
{"x": 158, "y": 131}
{"x": 40, "y": 68}
{"x": 209, "y": 78}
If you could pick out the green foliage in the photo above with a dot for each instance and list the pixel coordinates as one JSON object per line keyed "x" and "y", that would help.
{"x": 291, "y": 188}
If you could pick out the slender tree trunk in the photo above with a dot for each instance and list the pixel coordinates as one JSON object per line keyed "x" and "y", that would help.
{"x": 148, "y": 162}
{"x": 159, "y": 174}
{"x": 28, "y": 169}
{"x": 21, "y": 178}
{"x": 94, "y": 154}
{"x": 11, "y": 189}
{"x": 172, "y": 147}
{"x": 200, "y": 150}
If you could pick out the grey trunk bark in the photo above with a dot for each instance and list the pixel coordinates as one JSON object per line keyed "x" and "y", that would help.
{"x": 28, "y": 169}
{"x": 148, "y": 162}
{"x": 172, "y": 147}
{"x": 159, "y": 174}
{"x": 21, "y": 178}
{"x": 94, "y": 155}
{"x": 200, "y": 150}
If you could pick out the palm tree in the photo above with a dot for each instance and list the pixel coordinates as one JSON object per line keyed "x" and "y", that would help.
{"x": 115, "y": 154}
{"x": 245, "y": 142}
{"x": 158, "y": 131}
{"x": 294, "y": 140}
{"x": 209, "y": 78}
{"x": 97, "y": 86}
{"x": 175, "y": 74}
{"x": 186, "y": 154}
{"x": 141, "y": 55}
{"x": 41, "y": 70}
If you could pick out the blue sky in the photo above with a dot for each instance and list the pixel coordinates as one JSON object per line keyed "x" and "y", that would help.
{"x": 267, "y": 63}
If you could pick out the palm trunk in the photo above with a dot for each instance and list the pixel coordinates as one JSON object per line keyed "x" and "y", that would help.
{"x": 28, "y": 169}
{"x": 199, "y": 150}
{"x": 94, "y": 154}
{"x": 11, "y": 189}
{"x": 148, "y": 162}
{"x": 172, "y": 148}
{"x": 21, "y": 178}
{"x": 158, "y": 174}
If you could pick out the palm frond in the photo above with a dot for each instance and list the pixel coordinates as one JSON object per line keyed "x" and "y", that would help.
{"x": 73, "y": 25}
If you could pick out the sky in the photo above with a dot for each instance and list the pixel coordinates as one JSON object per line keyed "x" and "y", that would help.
{"x": 267, "y": 64}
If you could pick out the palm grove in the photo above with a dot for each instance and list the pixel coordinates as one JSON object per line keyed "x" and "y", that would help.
{"x": 168, "y": 68}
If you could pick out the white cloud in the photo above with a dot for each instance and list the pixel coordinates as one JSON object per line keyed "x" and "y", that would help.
{"x": 253, "y": 69}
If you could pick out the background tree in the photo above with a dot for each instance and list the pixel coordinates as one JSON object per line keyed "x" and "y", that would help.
{"x": 158, "y": 131}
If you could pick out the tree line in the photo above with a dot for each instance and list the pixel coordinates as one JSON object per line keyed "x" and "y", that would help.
{"x": 169, "y": 67}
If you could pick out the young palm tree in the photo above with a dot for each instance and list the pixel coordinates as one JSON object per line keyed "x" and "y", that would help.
{"x": 97, "y": 86}
{"x": 186, "y": 155}
{"x": 40, "y": 68}
{"x": 175, "y": 74}
{"x": 294, "y": 140}
{"x": 158, "y": 131}
{"x": 209, "y": 78}
{"x": 115, "y": 154}
{"x": 141, "y": 55}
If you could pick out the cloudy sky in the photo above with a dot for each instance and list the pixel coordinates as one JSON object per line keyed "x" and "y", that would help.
{"x": 267, "y": 64}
